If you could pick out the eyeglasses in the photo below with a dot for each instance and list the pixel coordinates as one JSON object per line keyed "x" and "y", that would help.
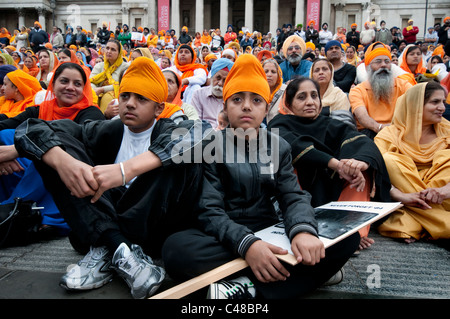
{"x": 379, "y": 61}
{"x": 296, "y": 47}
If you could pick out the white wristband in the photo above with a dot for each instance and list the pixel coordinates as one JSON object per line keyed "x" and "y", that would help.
{"x": 122, "y": 170}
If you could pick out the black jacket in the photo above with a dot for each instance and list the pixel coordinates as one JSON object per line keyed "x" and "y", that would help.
{"x": 89, "y": 113}
{"x": 102, "y": 139}
{"x": 241, "y": 186}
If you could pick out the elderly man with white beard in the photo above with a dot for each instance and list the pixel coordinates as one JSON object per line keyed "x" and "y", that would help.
{"x": 373, "y": 101}
{"x": 208, "y": 101}
{"x": 293, "y": 50}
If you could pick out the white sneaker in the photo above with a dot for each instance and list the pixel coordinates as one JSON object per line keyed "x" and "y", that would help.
{"x": 91, "y": 272}
{"x": 336, "y": 278}
{"x": 138, "y": 270}
{"x": 239, "y": 288}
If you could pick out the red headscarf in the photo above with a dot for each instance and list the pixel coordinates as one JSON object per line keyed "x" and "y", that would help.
{"x": 49, "y": 110}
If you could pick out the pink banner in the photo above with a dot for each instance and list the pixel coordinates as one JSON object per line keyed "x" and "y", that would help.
{"x": 313, "y": 13}
{"x": 163, "y": 15}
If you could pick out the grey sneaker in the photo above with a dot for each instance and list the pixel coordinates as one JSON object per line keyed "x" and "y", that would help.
{"x": 239, "y": 288}
{"x": 90, "y": 272}
{"x": 138, "y": 270}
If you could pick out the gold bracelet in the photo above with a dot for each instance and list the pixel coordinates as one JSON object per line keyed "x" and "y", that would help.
{"x": 122, "y": 170}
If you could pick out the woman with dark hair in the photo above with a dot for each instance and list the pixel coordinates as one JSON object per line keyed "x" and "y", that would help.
{"x": 105, "y": 75}
{"x": 333, "y": 161}
{"x": 411, "y": 61}
{"x": 69, "y": 96}
{"x": 415, "y": 148}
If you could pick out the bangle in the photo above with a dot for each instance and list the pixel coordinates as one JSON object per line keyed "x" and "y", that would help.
{"x": 379, "y": 127}
{"x": 122, "y": 170}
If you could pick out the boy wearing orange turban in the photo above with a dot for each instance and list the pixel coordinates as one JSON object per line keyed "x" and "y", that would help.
{"x": 236, "y": 202}
{"x": 111, "y": 171}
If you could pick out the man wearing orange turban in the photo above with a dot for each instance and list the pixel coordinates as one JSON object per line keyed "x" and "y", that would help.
{"x": 293, "y": 50}
{"x": 373, "y": 101}
{"x": 111, "y": 171}
{"x": 37, "y": 36}
{"x": 19, "y": 90}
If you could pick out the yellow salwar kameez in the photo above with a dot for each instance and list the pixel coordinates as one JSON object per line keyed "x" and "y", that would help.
{"x": 414, "y": 167}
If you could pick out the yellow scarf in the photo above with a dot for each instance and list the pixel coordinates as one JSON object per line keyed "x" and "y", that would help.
{"x": 404, "y": 134}
{"x": 106, "y": 76}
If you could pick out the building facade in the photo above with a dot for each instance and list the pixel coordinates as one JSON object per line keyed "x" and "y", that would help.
{"x": 197, "y": 15}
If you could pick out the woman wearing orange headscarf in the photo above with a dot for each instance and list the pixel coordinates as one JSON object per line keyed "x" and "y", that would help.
{"x": 275, "y": 79}
{"x": 205, "y": 38}
{"x": 68, "y": 97}
{"x": 5, "y": 36}
{"x": 411, "y": 61}
{"x": 19, "y": 90}
{"x": 30, "y": 66}
{"x": 174, "y": 98}
{"x": 193, "y": 75}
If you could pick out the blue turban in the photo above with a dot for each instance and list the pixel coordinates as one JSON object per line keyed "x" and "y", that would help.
{"x": 332, "y": 43}
{"x": 221, "y": 64}
{"x": 5, "y": 69}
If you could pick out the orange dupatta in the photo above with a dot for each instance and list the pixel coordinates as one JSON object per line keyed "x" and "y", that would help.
{"x": 28, "y": 86}
{"x": 188, "y": 69}
{"x": 49, "y": 110}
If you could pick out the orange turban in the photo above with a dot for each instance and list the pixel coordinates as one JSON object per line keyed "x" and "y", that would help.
{"x": 37, "y": 22}
{"x": 144, "y": 77}
{"x": 28, "y": 85}
{"x": 289, "y": 40}
{"x": 354, "y": 25}
{"x": 313, "y": 22}
{"x": 311, "y": 45}
{"x": 210, "y": 56}
{"x": 247, "y": 75}
{"x": 372, "y": 53}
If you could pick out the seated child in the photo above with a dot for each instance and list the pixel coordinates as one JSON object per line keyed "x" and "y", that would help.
{"x": 236, "y": 201}
{"x": 116, "y": 182}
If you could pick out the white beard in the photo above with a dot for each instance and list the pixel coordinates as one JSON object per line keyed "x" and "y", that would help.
{"x": 382, "y": 83}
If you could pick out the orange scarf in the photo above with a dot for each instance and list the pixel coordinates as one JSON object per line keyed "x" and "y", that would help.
{"x": 49, "y": 110}
{"x": 34, "y": 70}
{"x": 28, "y": 86}
{"x": 420, "y": 69}
{"x": 206, "y": 39}
{"x": 188, "y": 69}
{"x": 169, "y": 110}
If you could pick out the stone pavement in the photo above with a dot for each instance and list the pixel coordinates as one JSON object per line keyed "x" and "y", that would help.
{"x": 388, "y": 270}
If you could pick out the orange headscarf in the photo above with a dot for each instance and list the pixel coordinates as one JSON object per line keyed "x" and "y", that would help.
{"x": 49, "y": 110}
{"x": 177, "y": 99}
{"x": 34, "y": 70}
{"x": 410, "y": 76}
{"x": 27, "y": 85}
{"x": 5, "y": 33}
{"x": 247, "y": 75}
{"x": 205, "y": 39}
{"x": 188, "y": 69}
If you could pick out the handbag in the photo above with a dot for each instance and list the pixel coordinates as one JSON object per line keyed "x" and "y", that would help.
{"x": 19, "y": 223}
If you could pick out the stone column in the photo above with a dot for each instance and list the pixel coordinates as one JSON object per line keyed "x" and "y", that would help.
{"x": 249, "y": 15}
{"x": 21, "y": 15}
{"x": 175, "y": 16}
{"x": 125, "y": 16}
{"x": 151, "y": 14}
{"x": 41, "y": 12}
{"x": 326, "y": 13}
{"x": 199, "y": 15}
{"x": 300, "y": 13}
{"x": 273, "y": 25}
{"x": 223, "y": 15}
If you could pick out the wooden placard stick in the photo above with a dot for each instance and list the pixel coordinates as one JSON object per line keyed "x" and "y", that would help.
{"x": 203, "y": 280}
